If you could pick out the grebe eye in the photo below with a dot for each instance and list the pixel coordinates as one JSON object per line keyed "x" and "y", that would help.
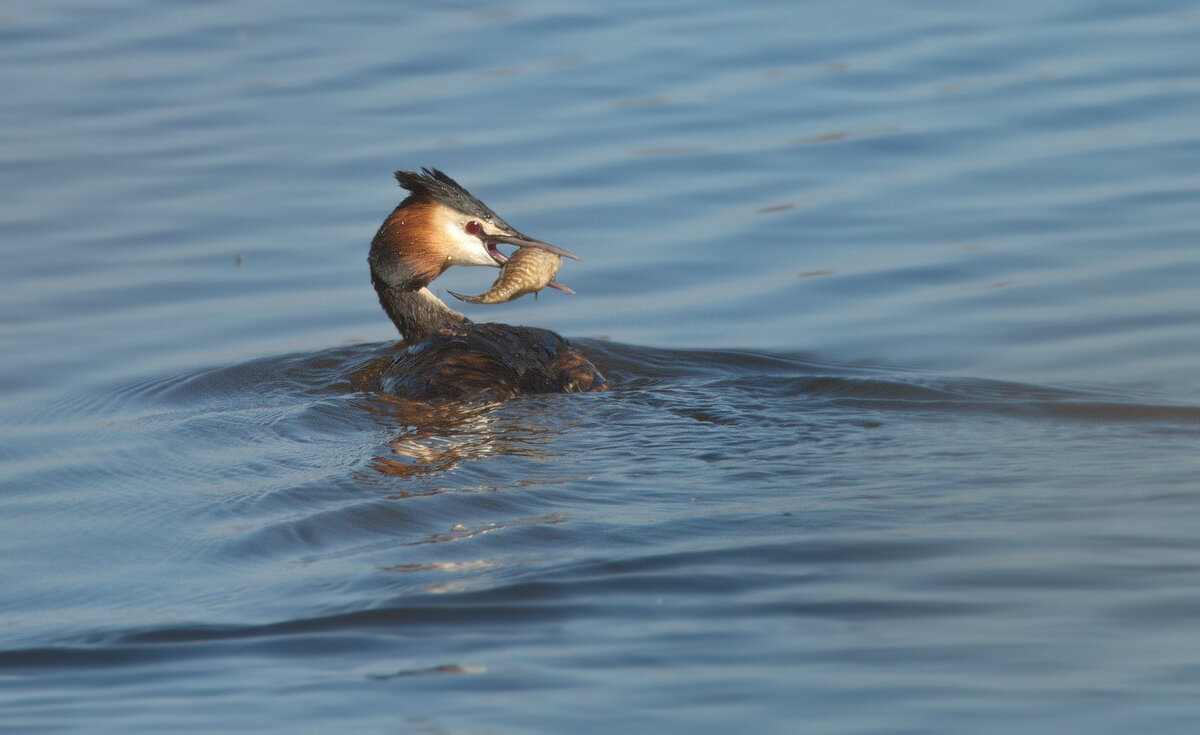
{"x": 473, "y": 227}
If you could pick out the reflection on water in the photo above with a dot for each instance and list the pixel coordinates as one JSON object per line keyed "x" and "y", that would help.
{"x": 443, "y": 670}
{"x": 714, "y": 506}
{"x": 435, "y": 438}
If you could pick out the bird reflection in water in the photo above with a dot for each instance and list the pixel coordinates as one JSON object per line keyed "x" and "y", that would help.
{"x": 437, "y": 437}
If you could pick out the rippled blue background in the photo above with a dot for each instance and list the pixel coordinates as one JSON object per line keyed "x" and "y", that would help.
{"x": 899, "y": 301}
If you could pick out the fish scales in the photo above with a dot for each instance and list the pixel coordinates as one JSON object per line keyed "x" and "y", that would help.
{"x": 528, "y": 270}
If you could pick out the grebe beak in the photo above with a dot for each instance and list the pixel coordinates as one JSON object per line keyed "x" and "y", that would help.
{"x": 521, "y": 241}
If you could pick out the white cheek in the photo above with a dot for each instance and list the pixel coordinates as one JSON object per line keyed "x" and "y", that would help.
{"x": 467, "y": 250}
{"x": 479, "y": 256}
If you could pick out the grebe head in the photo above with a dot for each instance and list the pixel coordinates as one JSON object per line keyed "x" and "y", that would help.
{"x": 439, "y": 225}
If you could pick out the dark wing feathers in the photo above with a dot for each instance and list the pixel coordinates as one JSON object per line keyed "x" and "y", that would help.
{"x": 491, "y": 360}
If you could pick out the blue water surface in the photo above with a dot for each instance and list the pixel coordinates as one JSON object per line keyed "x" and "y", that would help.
{"x": 898, "y": 300}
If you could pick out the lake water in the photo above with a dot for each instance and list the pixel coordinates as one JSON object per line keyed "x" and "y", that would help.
{"x": 899, "y": 302}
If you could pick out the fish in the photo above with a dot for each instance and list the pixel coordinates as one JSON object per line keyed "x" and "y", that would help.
{"x": 527, "y": 270}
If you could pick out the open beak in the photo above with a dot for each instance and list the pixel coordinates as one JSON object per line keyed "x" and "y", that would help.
{"x": 522, "y": 241}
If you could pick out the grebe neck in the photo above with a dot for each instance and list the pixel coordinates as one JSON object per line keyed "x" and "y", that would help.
{"x": 416, "y": 312}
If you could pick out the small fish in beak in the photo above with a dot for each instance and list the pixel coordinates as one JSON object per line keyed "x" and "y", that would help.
{"x": 527, "y": 270}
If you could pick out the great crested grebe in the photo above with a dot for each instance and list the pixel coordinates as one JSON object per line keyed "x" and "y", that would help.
{"x": 439, "y": 225}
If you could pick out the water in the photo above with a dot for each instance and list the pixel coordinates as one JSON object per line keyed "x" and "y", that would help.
{"x": 898, "y": 301}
